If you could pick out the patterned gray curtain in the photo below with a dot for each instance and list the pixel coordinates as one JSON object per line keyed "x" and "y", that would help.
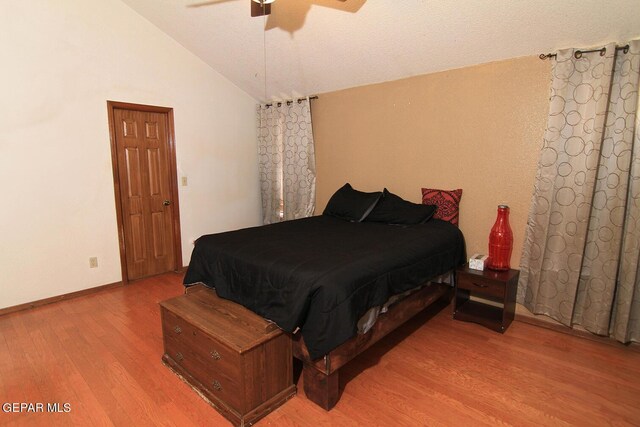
{"x": 286, "y": 160}
{"x": 582, "y": 245}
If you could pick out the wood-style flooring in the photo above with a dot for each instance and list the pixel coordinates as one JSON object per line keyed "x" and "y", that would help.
{"x": 101, "y": 354}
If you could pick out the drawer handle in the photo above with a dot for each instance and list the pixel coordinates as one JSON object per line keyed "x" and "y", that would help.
{"x": 179, "y": 357}
{"x": 216, "y": 355}
{"x": 177, "y": 330}
{"x": 480, "y": 285}
{"x": 216, "y": 385}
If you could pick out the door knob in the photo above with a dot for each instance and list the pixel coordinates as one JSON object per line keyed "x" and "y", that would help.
{"x": 166, "y": 202}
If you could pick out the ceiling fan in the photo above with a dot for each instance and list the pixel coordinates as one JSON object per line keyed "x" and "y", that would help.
{"x": 258, "y": 7}
{"x": 261, "y": 7}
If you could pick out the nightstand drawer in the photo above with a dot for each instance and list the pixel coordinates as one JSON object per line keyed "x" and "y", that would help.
{"x": 481, "y": 285}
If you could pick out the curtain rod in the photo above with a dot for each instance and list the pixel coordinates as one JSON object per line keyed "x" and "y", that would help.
{"x": 290, "y": 101}
{"x": 578, "y": 53}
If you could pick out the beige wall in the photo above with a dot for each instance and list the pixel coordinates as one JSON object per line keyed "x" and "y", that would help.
{"x": 478, "y": 128}
{"x": 62, "y": 61}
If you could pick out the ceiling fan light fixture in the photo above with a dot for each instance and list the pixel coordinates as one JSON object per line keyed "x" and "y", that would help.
{"x": 263, "y": 1}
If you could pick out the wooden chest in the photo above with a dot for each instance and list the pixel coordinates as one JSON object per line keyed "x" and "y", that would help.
{"x": 241, "y": 363}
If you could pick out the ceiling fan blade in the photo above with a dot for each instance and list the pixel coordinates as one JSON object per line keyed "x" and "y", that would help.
{"x": 351, "y": 6}
{"x": 207, "y": 3}
{"x": 258, "y": 9}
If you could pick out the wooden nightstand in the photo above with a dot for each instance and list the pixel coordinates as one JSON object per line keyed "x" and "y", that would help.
{"x": 497, "y": 288}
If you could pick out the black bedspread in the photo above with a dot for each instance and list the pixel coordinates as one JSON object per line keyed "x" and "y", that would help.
{"x": 322, "y": 273}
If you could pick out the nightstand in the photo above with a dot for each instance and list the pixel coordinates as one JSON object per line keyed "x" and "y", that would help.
{"x": 486, "y": 297}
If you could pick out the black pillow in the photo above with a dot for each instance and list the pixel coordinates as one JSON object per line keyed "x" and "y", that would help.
{"x": 350, "y": 204}
{"x": 392, "y": 209}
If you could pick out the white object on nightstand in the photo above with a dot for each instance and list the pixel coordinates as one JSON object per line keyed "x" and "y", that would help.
{"x": 478, "y": 261}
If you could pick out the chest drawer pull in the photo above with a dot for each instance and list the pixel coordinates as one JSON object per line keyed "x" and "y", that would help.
{"x": 216, "y": 355}
{"x": 216, "y": 385}
{"x": 179, "y": 357}
{"x": 177, "y": 330}
{"x": 480, "y": 285}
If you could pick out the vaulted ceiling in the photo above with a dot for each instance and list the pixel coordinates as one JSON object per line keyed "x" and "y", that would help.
{"x": 316, "y": 46}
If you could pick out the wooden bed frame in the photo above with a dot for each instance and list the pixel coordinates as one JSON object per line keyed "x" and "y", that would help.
{"x": 321, "y": 376}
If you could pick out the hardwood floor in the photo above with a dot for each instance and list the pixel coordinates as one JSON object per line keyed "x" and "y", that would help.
{"x": 101, "y": 354}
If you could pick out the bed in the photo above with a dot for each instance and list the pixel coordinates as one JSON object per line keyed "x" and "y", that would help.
{"x": 317, "y": 277}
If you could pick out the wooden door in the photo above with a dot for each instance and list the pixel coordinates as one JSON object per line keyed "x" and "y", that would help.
{"x": 145, "y": 192}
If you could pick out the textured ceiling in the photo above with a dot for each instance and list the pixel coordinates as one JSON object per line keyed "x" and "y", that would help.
{"x": 316, "y": 46}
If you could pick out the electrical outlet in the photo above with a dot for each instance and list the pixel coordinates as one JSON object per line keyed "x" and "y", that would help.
{"x": 93, "y": 262}
{"x": 184, "y": 181}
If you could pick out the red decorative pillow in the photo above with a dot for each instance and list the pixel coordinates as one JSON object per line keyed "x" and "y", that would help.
{"x": 447, "y": 202}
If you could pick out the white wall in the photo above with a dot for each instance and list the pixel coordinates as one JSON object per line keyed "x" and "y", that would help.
{"x": 61, "y": 61}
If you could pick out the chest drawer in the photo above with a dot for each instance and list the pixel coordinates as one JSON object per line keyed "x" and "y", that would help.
{"x": 480, "y": 284}
{"x": 222, "y": 383}
{"x": 208, "y": 361}
{"x": 207, "y": 347}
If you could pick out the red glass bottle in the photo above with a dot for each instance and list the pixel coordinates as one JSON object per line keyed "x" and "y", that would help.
{"x": 501, "y": 241}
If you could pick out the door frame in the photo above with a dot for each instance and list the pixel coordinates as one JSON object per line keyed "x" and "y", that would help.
{"x": 173, "y": 181}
